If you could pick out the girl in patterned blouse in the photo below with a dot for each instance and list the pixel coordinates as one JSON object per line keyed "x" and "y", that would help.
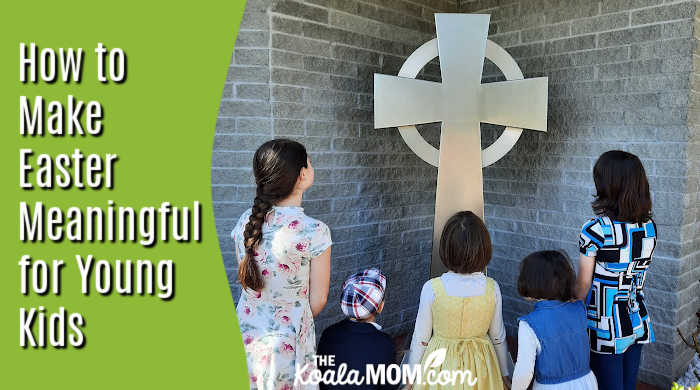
{"x": 616, "y": 248}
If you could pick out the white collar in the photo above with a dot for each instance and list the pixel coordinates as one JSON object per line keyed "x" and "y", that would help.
{"x": 376, "y": 325}
{"x": 471, "y": 275}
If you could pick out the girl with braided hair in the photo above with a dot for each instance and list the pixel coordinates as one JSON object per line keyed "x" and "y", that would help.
{"x": 283, "y": 266}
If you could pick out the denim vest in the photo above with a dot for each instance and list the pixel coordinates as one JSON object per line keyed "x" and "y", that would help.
{"x": 560, "y": 328}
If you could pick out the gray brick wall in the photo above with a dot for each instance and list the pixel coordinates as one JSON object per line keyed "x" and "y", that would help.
{"x": 623, "y": 75}
{"x": 304, "y": 70}
{"x": 690, "y": 230}
{"x": 620, "y": 75}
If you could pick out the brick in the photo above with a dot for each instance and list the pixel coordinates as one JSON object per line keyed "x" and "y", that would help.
{"x": 571, "y": 10}
{"x": 349, "y": 6}
{"x": 283, "y": 93}
{"x": 622, "y": 5}
{"x": 677, "y": 64}
{"x": 252, "y": 38}
{"x": 347, "y": 53}
{"x": 506, "y": 39}
{"x": 239, "y": 142}
{"x": 480, "y": 5}
{"x": 244, "y": 108}
{"x": 257, "y": 5}
{"x": 337, "y": 129}
{"x": 507, "y": 11}
{"x": 289, "y": 127}
{"x": 300, "y": 10}
{"x": 588, "y": 57}
{"x": 294, "y": 77}
{"x": 326, "y": 97}
{"x": 253, "y": 91}
{"x": 526, "y": 51}
{"x": 346, "y": 84}
{"x": 248, "y": 74}
{"x": 225, "y": 125}
{"x": 300, "y": 45}
{"x": 326, "y": 65}
{"x": 230, "y": 175}
{"x": 403, "y": 7}
{"x": 286, "y": 25}
{"x": 570, "y": 44}
{"x": 383, "y": 15}
{"x": 666, "y": 48}
{"x": 627, "y": 69}
{"x": 255, "y": 21}
{"x": 600, "y": 23}
{"x": 251, "y": 56}
{"x": 685, "y": 10}
{"x": 524, "y": 21}
{"x": 287, "y": 59}
{"x": 355, "y": 23}
{"x": 572, "y": 74}
{"x": 681, "y": 29}
{"x": 253, "y": 125}
{"x": 631, "y": 35}
{"x": 625, "y": 102}
{"x": 546, "y": 32}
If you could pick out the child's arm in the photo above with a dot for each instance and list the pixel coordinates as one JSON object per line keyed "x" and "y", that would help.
{"x": 319, "y": 281}
{"x": 590, "y": 240}
{"x": 497, "y": 333}
{"x": 528, "y": 347}
{"x": 586, "y": 265}
{"x": 424, "y": 325}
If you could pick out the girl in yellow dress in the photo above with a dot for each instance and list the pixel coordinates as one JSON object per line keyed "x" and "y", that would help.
{"x": 460, "y": 312}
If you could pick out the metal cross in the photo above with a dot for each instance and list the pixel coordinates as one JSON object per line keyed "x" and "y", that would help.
{"x": 461, "y": 103}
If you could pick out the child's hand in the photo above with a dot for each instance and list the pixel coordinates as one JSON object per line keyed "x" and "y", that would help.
{"x": 507, "y": 383}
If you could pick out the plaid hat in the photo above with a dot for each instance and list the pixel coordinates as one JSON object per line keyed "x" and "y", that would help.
{"x": 363, "y": 292}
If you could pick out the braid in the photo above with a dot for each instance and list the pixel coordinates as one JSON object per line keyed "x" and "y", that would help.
{"x": 248, "y": 273}
{"x": 277, "y": 165}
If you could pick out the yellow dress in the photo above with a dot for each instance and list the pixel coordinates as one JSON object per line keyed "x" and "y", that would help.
{"x": 460, "y": 325}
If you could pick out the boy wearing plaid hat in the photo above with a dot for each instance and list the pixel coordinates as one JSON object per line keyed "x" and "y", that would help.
{"x": 358, "y": 340}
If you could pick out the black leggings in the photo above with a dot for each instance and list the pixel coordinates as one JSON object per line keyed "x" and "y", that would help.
{"x": 617, "y": 371}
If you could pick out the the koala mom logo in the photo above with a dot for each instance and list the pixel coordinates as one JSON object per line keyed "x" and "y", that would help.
{"x": 382, "y": 374}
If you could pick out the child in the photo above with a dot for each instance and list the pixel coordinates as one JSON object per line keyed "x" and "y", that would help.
{"x": 616, "y": 248}
{"x": 552, "y": 339}
{"x": 461, "y": 309}
{"x": 358, "y": 340}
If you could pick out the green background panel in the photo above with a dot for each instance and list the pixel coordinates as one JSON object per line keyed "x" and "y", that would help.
{"x": 161, "y": 123}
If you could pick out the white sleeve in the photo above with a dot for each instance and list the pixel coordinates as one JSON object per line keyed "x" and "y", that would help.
{"x": 497, "y": 333}
{"x": 424, "y": 325}
{"x": 528, "y": 348}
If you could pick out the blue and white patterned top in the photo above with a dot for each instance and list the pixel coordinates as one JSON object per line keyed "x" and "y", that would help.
{"x": 617, "y": 316}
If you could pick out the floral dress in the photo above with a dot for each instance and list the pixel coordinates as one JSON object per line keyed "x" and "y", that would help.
{"x": 276, "y": 323}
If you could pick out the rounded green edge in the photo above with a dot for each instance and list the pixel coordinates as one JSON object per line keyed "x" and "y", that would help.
{"x": 161, "y": 123}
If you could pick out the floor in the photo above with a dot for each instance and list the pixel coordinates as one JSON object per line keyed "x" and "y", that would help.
{"x": 402, "y": 342}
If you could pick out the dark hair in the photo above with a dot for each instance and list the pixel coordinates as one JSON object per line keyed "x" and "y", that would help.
{"x": 465, "y": 245}
{"x": 622, "y": 189}
{"x": 276, "y": 166}
{"x": 546, "y": 275}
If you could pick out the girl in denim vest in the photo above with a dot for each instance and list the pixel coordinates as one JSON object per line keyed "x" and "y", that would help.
{"x": 552, "y": 339}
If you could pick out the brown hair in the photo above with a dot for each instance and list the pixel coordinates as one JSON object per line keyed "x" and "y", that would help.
{"x": 276, "y": 166}
{"x": 622, "y": 189}
{"x": 546, "y": 275}
{"x": 465, "y": 245}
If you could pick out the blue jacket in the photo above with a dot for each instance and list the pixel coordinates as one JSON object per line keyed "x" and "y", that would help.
{"x": 560, "y": 328}
{"x": 357, "y": 344}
